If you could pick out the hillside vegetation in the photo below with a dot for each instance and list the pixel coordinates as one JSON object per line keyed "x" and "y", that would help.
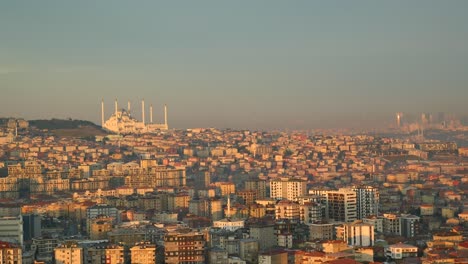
{"x": 69, "y": 127}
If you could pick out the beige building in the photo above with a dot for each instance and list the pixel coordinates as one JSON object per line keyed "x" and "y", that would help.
{"x": 248, "y": 196}
{"x": 68, "y": 253}
{"x": 9, "y": 187}
{"x": 273, "y": 257}
{"x": 143, "y": 253}
{"x": 157, "y": 177}
{"x": 287, "y": 210}
{"x": 333, "y": 246}
{"x": 112, "y": 254}
{"x": 259, "y": 186}
{"x": 177, "y": 201}
{"x": 226, "y": 188}
{"x": 126, "y": 236}
{"x": 321, "y": 231}
{"x": 10, "y": 253}
{"x": 99, "y": 227}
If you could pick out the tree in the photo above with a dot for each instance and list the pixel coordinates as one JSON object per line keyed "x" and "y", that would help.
{"x": 288, "y": 153}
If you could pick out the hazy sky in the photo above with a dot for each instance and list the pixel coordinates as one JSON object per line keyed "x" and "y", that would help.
{"x": 239, "y": 64}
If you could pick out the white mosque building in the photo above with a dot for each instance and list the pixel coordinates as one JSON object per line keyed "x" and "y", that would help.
{"x": 228, "y": 223}
{"x": 122, "y": 122}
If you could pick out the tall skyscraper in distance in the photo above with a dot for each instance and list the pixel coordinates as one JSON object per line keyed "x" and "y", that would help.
{"x": 399, "y": 116}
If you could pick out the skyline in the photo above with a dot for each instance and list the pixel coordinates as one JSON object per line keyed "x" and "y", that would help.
{"x": 239, "y": 65}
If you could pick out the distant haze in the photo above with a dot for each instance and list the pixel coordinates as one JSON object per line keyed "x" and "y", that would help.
{"x": 238, "y": 64}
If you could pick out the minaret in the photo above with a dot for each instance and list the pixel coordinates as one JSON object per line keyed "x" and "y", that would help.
{"x": 151, "y": 113}
{"x": 102, "y": 112}
{"x": 116, "y": 107}
{"x": 143, "y": 111}
{"x": 128, "y": 107}
{"x": 165, "y": 116}
{"x": 228, "y": 215}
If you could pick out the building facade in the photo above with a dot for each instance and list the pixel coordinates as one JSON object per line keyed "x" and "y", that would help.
{"x": 184, "y": 247}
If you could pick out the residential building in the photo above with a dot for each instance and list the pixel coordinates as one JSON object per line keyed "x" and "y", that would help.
{"x": 184, "y": 247}
{"x": 10, "y": 253}
{"x": 286, "y": 188}
{"x": 341, "y": 205}
{"x": 106, "y": 253}
{"x": 69, "y": 253}
{"x": 273, "y": 257}
{"x": 143, "y": 253}
{"x": 367, "y": 198}
{"x": 400, "y": 251}
{"x": 11, "y": 229}
{"x": 358, "y": 234}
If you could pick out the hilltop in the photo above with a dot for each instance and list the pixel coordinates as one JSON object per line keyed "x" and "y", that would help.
{"x": 69, "y": 127}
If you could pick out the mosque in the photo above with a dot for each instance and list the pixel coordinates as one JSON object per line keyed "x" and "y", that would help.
{"x": 122, "y": 122}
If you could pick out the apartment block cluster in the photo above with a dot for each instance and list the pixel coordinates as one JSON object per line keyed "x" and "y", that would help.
{"x": 230, "y": 196}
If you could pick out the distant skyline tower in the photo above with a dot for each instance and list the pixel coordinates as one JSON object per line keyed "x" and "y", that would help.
{"x": 128, "y": 106}
{"x": 151, "y": 113}
{"x": 116, "y": 107}
{"x": 165, "y": 115}
{"x": 398, "y": 119}
{"x": 143, "y": 111}
{"x": 102, "y": 112}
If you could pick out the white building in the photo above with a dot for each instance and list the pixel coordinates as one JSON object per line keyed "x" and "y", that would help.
{"x": 229, "y": 224}
{"x": 358, "y": 234}
{"x": 289, "y": 189}
{"x": 122, "y": 122}
{"x": 11, "y": 229}
{"x": 400, "y": 251}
